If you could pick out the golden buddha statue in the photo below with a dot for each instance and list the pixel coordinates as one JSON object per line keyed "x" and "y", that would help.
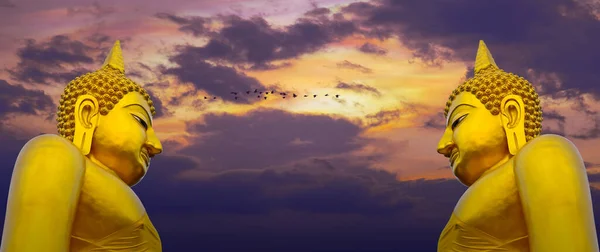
{"x": 526, "y": 191}
{"x": 72, "y": 192}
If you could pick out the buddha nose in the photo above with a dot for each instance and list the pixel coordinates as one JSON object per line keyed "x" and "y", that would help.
{"x": 153, "y": 144}
{"x": 445, "y": 145}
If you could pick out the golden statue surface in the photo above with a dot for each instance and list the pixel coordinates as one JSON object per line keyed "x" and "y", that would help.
{"x": 73, "y": 192}
{"x": 526, "y": 191}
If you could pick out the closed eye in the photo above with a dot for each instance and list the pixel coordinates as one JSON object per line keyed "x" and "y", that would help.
{"x": 141, "y": 121}
{"x": 457, "y": 121}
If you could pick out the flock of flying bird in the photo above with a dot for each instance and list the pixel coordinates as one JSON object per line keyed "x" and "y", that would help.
{"x": 263, "y": 94}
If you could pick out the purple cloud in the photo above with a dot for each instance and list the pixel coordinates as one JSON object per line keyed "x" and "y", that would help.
{"x": 358, "y": 67}
{"x": 254, "y": 41}
{"x": 551, "y": 36}
{"x": 372, "y": 49}
{"x": 264, "y": 138}
{"x": 360, "y": 88}
{"x": 17, "y": 99}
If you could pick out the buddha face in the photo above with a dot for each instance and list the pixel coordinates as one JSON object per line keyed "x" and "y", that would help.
{"x": 474, "y": 139}
{"x": 124, "y": 140}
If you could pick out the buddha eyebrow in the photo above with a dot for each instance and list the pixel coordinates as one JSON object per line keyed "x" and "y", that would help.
{"x": 145, "y": 112}
{"x": 454, "y": 110}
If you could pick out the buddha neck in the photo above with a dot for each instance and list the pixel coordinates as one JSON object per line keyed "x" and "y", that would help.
{"x": 95, "y": 162}
{"x": 494, "y": 167}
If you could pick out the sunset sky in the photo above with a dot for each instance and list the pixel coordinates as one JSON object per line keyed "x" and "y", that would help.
{"x": 354, "y": 173}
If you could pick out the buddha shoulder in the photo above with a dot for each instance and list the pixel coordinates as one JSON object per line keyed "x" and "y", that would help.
{"x": 547, "y": 142}
{"x": 52, "y": 151}
{"x": 56, "y": 142}
{"x": 548, "y": 153}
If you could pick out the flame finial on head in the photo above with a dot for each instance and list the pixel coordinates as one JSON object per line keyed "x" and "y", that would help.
{"x": 484, "y": 58}
{"x": 115, "y": 58}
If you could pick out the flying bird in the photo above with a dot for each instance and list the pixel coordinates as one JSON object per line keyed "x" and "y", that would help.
{"x": 326, "y": 94}
{"x": 247, "y": 92}
{"x": 205, "y": 98}
{"x": 305, "y": 95}
{"x": 272, "y": 91}
{"x": 215, "y": 97}
{"x": 314, "y": 96}
{"x": 295, "y": 95}
{"x": 265, "y": 97}
{"x": 337, "y": 95}
{"x": 255, "y": 90}
{"x": 236, "y": 97}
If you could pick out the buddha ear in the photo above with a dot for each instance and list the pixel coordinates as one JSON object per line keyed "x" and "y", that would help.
{"x": 512, "y": 110}
{"x": 86, "y": 120}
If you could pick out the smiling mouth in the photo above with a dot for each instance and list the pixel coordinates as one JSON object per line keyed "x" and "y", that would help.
{"x": 146, "y": 158}
{"x": 453, "y": 157}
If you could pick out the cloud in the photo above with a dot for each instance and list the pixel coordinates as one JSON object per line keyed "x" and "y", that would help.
{"x": 17, "y": 99}
{"x": 215, "y": 79}
{"x": 197, "y": 26}
{"x": 589, "y": 165}
{"x": 548, "y": 34}
{"x": 372, "y": 49}
{"x": 360, "y": 88}
{"x": 96, "y": 9}
{"x": 256, "y": 42}
{"x": 264, "y": 138}
{"x": 349, "y": 65}
{"x": 580, "y": 104}
{"x": 318, "y": 12}
{"x": 382, "y": 117}
{"x": 437, "y": 121}
{"x": 592, "y": 133}
{"x": 58, "y": 60}
{"x": 161, "y": 111}
{"x": 6, "y": 3}
{"x": 552, "y": 116}
{"x": 345, "y": 202}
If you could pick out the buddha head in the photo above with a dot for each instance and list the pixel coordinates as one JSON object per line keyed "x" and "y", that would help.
{"x": 488, "y": 119}
{"x": 109, "y": 118}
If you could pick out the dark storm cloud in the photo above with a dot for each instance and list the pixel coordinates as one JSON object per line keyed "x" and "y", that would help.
{"x": 372, "y": 49}
{"x": 254, "y": 41}
{"x": 359, "y": 88}
{"x": 215, "y": 79}
{"x": 337, "y": 208}
{"x": 158, "y": 105}
{"x": 56, "y": 60}
{"x": 196, "y": 26}
{"x": 437, "y": 121}
{"x": 589, "y": 165}
{"x": 349, "y": 65}
{"x": 295, "y": 205}
{"x": 268, "y": 137}
{"x": 382, "y": 117}
{"x": 318, "y": 12}
{"x": 556, "y": 36}
{"x": 557, "y": 122}
{"x": 96, "y": 9}
{"x": 17, "y": 99}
